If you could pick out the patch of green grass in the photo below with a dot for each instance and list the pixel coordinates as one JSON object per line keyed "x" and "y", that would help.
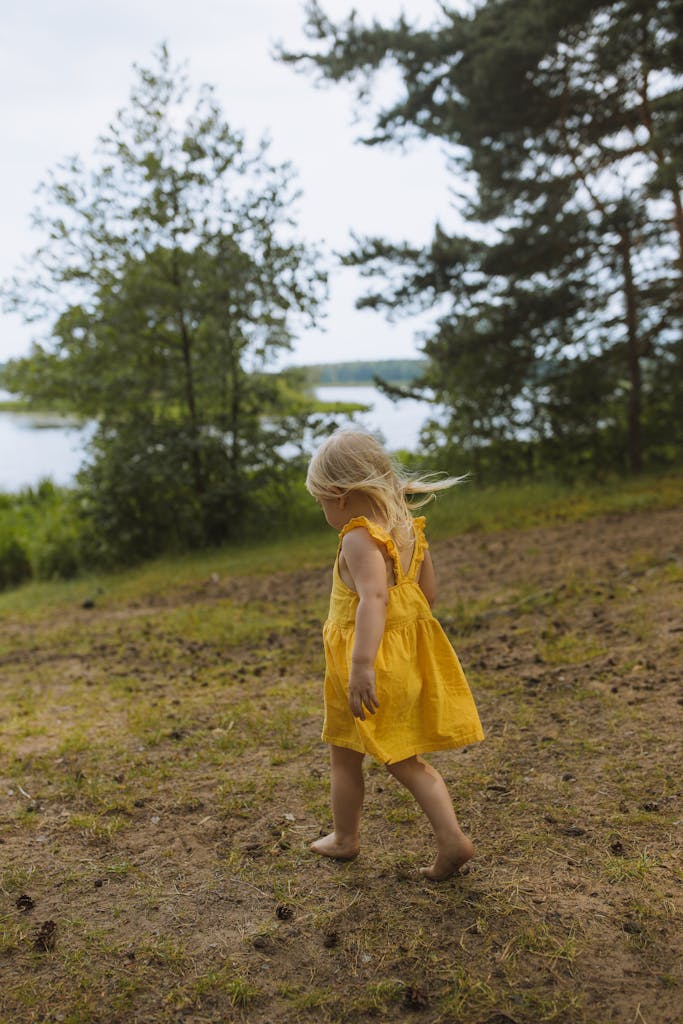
{"x": 12, "y": 935}
{"x": 560, "y": 1006}
{"x": 521, "y": 505}
{"x": 466, "y": 995}
{"x": 219, "y": 981}
{"x": 305, "y": 998}
{"x": 378, "y": 997}
{"x": 95, "y": 826}
{"x": 540, "y": 940}
{"x": 567, "y": 647}
{"x": 623, "y": 869}
{"x": 16, "y": 879}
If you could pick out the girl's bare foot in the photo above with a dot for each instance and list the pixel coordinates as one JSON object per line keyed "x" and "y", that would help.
{"x": 337, "y": 849}
{"x": 449, "y": 859}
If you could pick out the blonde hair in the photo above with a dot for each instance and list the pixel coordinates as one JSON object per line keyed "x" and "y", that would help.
{"x": 353, "y": 460}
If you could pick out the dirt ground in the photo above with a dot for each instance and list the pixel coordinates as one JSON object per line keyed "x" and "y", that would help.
{"x": 161, "y": 777}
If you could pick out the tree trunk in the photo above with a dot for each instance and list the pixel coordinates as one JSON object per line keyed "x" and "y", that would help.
{"x": 191, "y": 404}
{"x": 235, "y": 413}
{"x": 635, "y": 445}
{"x": 678, "y": 221}
{"x": 186, "y": 348}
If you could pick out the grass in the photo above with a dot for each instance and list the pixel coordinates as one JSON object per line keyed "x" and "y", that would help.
{"x": 465, "y": 509}
{"x": 162, "y": 776}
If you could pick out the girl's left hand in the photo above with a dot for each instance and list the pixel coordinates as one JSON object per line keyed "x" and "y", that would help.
{"x": 362, "y": 691}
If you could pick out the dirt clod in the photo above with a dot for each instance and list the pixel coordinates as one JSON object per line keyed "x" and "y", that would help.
{"x": 414, "y": 998}
{"x": 46, "y": 937}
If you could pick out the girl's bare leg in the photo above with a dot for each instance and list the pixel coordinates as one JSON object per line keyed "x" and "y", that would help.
{"x": 453, "y": 847}
{"x": 347, "y": 789}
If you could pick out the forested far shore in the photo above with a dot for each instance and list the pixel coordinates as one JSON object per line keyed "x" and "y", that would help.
{"x": 359, "y": 372}
{"x": 367, "y": 371}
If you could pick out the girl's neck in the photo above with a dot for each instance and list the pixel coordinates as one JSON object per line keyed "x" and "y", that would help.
{"x": 358, "y": 504}
{"x": 355, "y": 504}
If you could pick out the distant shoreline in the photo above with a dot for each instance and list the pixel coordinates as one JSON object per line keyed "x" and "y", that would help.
{"x": 364, "y": 373}
{"x": 355, "y": 373}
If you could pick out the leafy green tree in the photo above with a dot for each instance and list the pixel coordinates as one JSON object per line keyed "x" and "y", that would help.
{"x": 561, "y": 309}
{"x": 171, "y": 277}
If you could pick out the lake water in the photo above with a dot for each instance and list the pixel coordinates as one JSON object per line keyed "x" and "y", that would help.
{"x": 33, "y": 446}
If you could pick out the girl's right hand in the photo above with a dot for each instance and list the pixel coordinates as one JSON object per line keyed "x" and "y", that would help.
{"x": 362, "y": 691}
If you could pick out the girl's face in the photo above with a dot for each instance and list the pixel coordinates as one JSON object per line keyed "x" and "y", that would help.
{"x": 334, "y": 511}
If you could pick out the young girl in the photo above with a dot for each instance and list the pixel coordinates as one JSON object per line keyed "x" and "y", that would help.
{"x": 393, "y": 684}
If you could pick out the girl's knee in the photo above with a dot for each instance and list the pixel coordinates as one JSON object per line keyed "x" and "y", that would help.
{"x": 405, "y": 767}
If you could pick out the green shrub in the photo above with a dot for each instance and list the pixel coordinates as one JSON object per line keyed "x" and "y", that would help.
{"x": 57, "y": 555}
{"x": 40, "y": 535}
{"x": 155, "y": 489}
{"x": 15, "y": 565}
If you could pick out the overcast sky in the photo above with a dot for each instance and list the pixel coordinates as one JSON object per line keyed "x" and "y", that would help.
{"x": 66, "y": 68}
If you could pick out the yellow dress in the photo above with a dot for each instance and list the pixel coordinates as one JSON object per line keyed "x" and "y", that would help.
{"x": 424, "y": 701}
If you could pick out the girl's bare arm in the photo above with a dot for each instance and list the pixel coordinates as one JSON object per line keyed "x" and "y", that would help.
{"x": 367, "y": 568}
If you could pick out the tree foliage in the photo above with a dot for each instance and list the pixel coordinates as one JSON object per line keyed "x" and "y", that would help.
{"x": 559, "y": 334}
{"x": 171, "y": 278}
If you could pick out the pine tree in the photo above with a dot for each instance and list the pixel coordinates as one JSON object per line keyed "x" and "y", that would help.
{"x": 567, "y": 118}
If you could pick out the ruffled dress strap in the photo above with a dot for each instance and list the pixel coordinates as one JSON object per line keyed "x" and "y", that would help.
{"x": 421, "y": 545}
{"x": 379, "y": 534}
{"x": 384, "y": 537}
